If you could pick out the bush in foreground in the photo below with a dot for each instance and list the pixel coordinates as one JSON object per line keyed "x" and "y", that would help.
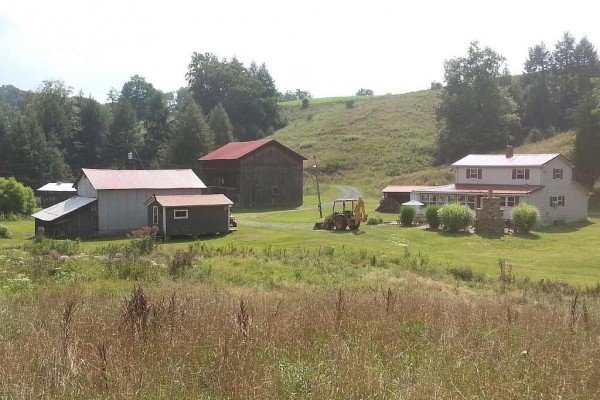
{"x": 407, "y": 215}
{"x": 433, "y": 219}
{"x": 455, "y": 217}
{"x": 4, "y": 232}
{"x": 525, "y": 217}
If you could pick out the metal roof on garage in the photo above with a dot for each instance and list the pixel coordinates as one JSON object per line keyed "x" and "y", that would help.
{"x": 110, "y": 179}
{"x": 63, "y": 208}
{"x": 192, "y": 200}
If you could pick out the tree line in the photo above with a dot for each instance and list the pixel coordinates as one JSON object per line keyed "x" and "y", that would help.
{"x": 483, "y": 108}
{"x": 50, "y": 134}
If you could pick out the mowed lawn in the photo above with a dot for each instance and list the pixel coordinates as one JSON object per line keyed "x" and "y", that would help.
{"x": 569, "y": 253}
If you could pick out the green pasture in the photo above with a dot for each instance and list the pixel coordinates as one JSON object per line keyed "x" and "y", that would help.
{"x": 568, "y": 253}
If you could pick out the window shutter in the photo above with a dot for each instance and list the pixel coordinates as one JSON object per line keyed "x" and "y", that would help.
{"x": 480, "y": 173}
{"x": 514, "y": 175}
{"x": 517, "y": 200}
{"x": 564, "y": 199}
{"x": 550, "y": 201}
{"x": 527, "y": 174}
{"x": 467, "y": 170}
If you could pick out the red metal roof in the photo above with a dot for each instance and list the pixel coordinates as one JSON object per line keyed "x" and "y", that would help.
{"x": 483, "y": 189}
{"x": 193, "y": 200}
{"x": 403, "y": 189}
{"x": 110, "y": 179}
{"x": 237, "y": 150}
{"x": 234, "y": 150}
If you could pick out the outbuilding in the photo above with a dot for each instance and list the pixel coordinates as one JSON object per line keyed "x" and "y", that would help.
{"x": 55, "y": 192}
{"x": 118, "y": 198}
{"x": 189, "y": 215}
{"x": 260, "y": 173}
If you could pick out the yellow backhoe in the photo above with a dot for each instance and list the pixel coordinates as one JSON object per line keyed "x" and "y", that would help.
{"x": 347, "y": 213}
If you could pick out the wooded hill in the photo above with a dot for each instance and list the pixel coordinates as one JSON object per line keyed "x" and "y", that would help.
{"x": 375, "y": 141}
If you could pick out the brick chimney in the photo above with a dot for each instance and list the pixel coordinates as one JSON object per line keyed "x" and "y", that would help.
{"x": 509, "y": 151}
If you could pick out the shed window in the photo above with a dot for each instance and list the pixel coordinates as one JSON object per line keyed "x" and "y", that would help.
{"x": 155, "y": 215}
{"x": 557, "y": 173}
{"x": 474, "y": 173}
{"x": 180, "y": 214}
{"x": 520, "y": 173}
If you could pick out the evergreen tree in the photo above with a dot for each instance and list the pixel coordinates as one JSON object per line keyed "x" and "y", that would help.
{"x": 587, "y": 140}
{"x": 220, "y": 125}
{"x": 90, "y": 140}
{"x": 123, "y": 135}
{"x": 564, "y": 79}
{"x": 191, "y": 138}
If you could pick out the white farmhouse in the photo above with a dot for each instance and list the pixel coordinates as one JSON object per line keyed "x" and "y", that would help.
{"x": 542, "y": 180}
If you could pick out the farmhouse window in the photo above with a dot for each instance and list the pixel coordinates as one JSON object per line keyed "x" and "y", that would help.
{"x": 180, "y": 214}
{"x": 471, "y": 202}
{"x": 425, "y": 199}
{"x": 557, "y": 173}
{"x": 509, "y": 201}
{"x": 154, "y": 215}
{"x": 474, "y": 173}
{"x": 520, "y": 173}
{"x": 443, "y": 199}
{"x": 451, "y": 198}
{"x": 557, "y": 201}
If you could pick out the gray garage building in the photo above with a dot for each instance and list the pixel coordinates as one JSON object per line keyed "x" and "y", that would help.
{"x": 119, "y": 205}
{"x": 177, "y": 215}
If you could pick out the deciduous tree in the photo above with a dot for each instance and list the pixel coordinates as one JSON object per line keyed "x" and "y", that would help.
{"x": 476, "y": 113}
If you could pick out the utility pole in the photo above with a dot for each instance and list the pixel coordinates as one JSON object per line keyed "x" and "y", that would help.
{"x": 318, "y": 190}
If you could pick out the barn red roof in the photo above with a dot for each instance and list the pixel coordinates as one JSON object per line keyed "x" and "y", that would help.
{"x": 237, "y": 150}
{"x": 193, "y": 200}
{"x": 142, "y": 179}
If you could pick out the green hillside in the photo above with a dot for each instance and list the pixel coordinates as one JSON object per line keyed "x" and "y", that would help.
{"x": 378, "y": 140}
{"x": 382, "y": 137}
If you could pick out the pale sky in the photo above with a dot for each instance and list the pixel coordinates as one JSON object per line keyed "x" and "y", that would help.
{"x": 331, "y": 48}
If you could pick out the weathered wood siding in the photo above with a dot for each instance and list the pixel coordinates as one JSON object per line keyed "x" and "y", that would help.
{"x": 271, "y": 176}
{"x": 201, "y": 220}
{"x": 80, "y": 224}
{"x": 48, "y": 199}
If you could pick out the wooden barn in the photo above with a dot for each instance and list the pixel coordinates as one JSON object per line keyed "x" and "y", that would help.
{"x": 55, "y": 192}
{"x": 189, "y": 215}
{"x": 261, "y": 173}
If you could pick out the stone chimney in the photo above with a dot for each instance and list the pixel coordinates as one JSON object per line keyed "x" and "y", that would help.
{"x": 509, "y": 151}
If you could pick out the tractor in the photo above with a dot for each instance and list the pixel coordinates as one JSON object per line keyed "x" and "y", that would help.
{"x": 347, "y": 213}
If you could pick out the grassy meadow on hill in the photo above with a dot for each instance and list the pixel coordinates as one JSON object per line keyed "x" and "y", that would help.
{"x": 379, "y": 138}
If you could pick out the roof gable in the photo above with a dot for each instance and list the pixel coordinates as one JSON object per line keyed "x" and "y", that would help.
{"x": 107, "y": 179}
{"x": 238, "y": 150}
{"x": 500, "y": 160}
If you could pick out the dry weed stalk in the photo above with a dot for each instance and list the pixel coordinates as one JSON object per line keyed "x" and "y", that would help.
{"x": 242, "y": 319}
